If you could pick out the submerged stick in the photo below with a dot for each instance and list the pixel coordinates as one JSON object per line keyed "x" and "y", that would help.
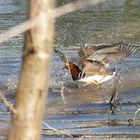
{"x": 135, "y": 115}
{"x": 60, "y": 131}
{"x": 8, "y": 104}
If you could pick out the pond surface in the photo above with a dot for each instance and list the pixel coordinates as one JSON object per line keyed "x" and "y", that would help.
{"x": 86, "y": 113}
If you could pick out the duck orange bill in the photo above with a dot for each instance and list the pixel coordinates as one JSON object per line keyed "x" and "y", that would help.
{"x": 73, "y": 69}
{"x": 98, "y": 79}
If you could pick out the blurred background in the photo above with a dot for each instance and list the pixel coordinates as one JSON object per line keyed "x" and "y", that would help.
{"x": 87, "y": 113}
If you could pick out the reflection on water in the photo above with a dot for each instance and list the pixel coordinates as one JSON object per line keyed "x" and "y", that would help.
{"x": 85, "y": 113}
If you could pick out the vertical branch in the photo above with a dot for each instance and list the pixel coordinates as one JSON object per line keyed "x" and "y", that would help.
{"x": 30, "y": 100}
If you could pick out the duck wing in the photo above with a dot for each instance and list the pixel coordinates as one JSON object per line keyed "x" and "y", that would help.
{"x": 114, "y": 52}
{"x": 91, "y": 67}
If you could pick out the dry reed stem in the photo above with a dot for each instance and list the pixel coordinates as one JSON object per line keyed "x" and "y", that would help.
{"x": 68, "y": 8}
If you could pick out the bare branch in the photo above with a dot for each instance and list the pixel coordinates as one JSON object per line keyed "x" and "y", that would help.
{"x": 18, "y": 29}
{"x": 33, "y": 84}
{"x": 71, "y": 7}
{"x": 9, "y": 105}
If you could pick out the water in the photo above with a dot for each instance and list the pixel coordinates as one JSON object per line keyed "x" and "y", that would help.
{"x": 86, "y": 112}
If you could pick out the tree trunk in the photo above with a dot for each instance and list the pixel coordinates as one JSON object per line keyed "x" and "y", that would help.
{"x": 30, "y": 101}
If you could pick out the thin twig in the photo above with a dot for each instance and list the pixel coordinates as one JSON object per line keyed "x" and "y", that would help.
{"x": 57, "y": 12}
{"x": 10, "y": 106}
{"x": 18, "y": 29}
{"x": 73, "y": 6}
{"x": 63, "y": 132}
{"x": 62, "y": 95}
{"x": 134, "y": 119}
